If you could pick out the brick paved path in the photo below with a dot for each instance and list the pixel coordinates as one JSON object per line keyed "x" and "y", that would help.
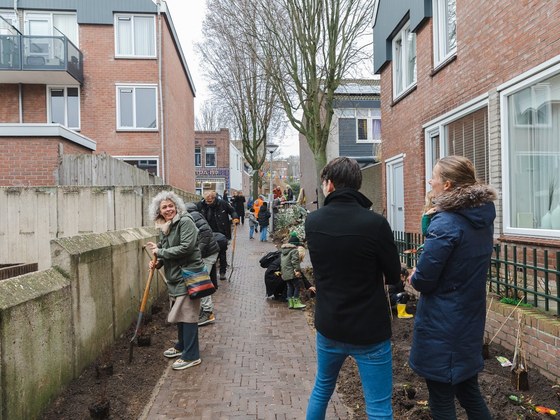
{"x": 258, "y": 359}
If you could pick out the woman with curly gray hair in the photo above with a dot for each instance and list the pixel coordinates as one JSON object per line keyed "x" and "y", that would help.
{"x": 177, "y": 249}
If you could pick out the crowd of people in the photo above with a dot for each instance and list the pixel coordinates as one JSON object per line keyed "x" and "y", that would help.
{"x": 357, "y": 277}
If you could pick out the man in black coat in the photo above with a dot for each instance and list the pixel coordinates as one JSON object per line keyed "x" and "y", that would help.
{"x": 209, "y": 250}
{"x": 353, "y": 254}
{"x": 218, "y": 212}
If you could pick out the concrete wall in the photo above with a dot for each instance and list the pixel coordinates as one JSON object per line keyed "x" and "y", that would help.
{"x": 34, "y": 216}
{"x": 54, "y": 323}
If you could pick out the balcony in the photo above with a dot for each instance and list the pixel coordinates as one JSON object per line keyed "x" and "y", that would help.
{"x": 40, "y": 60}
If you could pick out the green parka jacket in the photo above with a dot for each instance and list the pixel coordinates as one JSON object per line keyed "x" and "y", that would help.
{"x": 289, "y": 261}
{"x": 179, "y": 249}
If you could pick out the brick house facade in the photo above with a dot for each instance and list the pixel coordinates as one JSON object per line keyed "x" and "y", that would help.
{"x": 466, "y": 103}
{"x": 481, "y": 80}
{"x": 212, "y": 165}
{"x": 108, "y": 92}
{"x": 355, "y": 132}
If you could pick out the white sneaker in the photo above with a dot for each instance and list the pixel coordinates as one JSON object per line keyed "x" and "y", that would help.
{"x": 172, "y": 352}
{"x": 181, "y": 364}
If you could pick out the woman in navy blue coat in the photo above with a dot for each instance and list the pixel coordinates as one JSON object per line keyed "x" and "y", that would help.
{"x": 451, "y": 276}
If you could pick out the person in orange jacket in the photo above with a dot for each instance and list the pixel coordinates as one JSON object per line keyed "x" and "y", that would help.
{"x": 257, "y": 204}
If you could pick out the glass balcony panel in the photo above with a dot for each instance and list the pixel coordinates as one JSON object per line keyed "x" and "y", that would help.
{"x": 46, "y": 53}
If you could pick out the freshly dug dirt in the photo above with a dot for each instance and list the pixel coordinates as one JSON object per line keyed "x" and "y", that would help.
{"x": 129, "y": 386}
{"x": 410, "y": 394}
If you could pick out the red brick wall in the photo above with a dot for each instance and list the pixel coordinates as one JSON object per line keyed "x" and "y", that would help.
{"x": 178, "y": 107}
{"x": 217, "y": 139}
{"x": 32, "y": 161}
{"x": 496, "y": 42}
{"x": 34, "y": 104}
{"x": 102, "y": 71}
{"x": 9, "y": 104}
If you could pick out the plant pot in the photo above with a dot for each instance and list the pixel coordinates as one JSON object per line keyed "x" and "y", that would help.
{"x": 486, "y": 351}
{"x": 104, "y": 369}
{"x": 520, "y": 379}
{"x": 144, "y": 340}
{"x": 100, "y": 409}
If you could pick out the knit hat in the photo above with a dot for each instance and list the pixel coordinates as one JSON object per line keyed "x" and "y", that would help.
{"x": 294, "y": 239}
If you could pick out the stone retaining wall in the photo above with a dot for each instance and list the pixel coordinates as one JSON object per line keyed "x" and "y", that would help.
{"x": 55, "y": 322}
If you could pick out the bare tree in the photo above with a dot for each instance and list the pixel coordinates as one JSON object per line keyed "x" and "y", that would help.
{"x": 236, "y": 78}
{"x": 211, "y": 117}
{"x": 309, "y": 46}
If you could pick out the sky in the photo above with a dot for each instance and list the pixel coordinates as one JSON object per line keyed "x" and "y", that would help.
{"x": 187, "y": 17}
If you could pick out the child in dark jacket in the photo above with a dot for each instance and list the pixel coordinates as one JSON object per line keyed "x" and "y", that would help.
{"x": 253, "y": 224}
{"x": 398, "y": 296}
{"x": 263, "y": 218}
{"x": 291, "y": 271}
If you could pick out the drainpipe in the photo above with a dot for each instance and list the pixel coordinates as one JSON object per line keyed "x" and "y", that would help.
{"x": 20, "y": 105}
{"x": 20, "y": 89}
{"x": 162, "y": 124}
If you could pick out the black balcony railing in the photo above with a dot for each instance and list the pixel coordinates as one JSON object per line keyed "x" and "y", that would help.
{"x": 47, "y": 53}
{"x": 529, "y": 274}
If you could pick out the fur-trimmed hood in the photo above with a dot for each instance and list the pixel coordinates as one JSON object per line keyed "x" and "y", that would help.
{"x": 465, "y": 197}
{"x": 474, "y": 202}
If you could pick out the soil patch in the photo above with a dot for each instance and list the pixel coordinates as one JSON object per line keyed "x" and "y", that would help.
{"x": 129, "y": 387}
{"x": 126, "y": 386}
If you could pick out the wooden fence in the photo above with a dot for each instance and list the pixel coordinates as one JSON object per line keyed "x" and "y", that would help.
{"x": 102, "y": 170}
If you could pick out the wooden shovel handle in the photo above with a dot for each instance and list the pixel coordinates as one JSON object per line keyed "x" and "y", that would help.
{"x": 148, "y": 283}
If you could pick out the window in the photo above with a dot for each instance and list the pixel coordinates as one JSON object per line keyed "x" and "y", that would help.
{"x": 368, "y": 126}
{"x": 445, "y": 30}
{"x": 531, "y": 155}
{"x": 464, "y": 133}
{"x": 135, "y": 36}
{"x": 136, "y": 108}
{"x": 210, "y": 159}
{"x": 150, "y": 165}
{"x": 197, "y": 157}
{"x": 404, "y": 60}
{"x": 52, "y": 24}
{"x": 64, "y": 106}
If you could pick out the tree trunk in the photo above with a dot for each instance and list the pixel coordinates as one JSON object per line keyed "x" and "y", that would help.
{"x": 320, "y": 162}
{"x": 255, "y": 182}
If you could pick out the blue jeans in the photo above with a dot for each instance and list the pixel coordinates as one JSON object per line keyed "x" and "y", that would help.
{"x": 375, "y": 366}
{"x": 187, "y": 340}
{"x": 264, "y": 230}
{"x": 251, "y": 231}
{"x": 442, "y": 400}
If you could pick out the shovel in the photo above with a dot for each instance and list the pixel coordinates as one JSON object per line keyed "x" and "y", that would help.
{"x": 233, "y": 249}
{"x": 141, "y": 312}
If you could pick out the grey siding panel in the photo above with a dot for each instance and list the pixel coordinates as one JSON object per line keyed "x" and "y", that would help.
{"x": 389, "y": 15}
{"x": 356, "y": 103}
{"x": 347, "y": 140}
{"x": 89, "y": 11}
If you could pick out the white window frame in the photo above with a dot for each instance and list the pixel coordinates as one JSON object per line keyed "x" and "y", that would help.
{"x": 118, "y": 107}
{"x": 49, "y": 110}
{"x": 437, "y": 127}
{"x": 402, "y": 59}
{"x": 200, "y": 153}
{"x": 442, "y": 50}
{"x": 156, "y": 158}
{"x": 372, "y": 114}
{"x": 10, "y": 17}
{"x": 133, "y": 55}
{"x": 50, "y": 16}
{"x": 215, "y": 156}
{"x": 530, "y": 78}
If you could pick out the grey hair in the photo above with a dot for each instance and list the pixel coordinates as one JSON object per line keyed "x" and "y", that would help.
{"x": 153, "y": 210}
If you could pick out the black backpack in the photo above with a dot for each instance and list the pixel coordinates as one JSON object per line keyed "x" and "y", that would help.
{"x": 268, "y": 258}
